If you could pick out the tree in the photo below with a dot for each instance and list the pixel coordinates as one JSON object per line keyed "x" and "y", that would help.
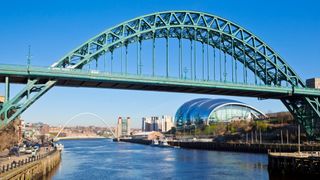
{"x": 261, "y": 125}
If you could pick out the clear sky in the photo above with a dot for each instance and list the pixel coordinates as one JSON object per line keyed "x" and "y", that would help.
{"x": 54, "y": 28}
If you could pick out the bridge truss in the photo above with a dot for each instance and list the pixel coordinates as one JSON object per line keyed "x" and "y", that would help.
{"x": 185, "y": 45}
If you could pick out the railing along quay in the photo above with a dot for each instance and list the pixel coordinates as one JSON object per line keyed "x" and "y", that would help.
{"x": 236, "y": 147}
{"x": 245, "y": 147}
{"x": 15, "y": 164}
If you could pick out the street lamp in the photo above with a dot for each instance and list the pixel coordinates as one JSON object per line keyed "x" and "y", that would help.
{"x": 29, "y": 58}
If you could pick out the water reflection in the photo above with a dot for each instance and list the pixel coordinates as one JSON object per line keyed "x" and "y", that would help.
{"x": 103, "y": 159}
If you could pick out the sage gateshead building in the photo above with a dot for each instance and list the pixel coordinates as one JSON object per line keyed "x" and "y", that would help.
{"x": 205, "y": 111}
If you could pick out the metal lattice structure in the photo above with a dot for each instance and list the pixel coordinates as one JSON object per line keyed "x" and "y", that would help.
{"x": 218, "y": 38}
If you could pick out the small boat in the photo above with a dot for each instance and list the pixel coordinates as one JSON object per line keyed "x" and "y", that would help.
{"x": 164, "y": 143}
{"x": 155, "y": 142}
{"x": 59, "y": 146}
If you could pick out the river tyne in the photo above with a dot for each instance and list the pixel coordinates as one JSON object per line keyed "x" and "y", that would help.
{"x": 104, "y": 159}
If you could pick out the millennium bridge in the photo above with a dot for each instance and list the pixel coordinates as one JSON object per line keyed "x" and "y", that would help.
{"x": 173, "y": 51}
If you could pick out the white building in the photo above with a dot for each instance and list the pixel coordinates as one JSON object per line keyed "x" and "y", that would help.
{"x": 166, "y": 123}
{"x": 163, "y": 123}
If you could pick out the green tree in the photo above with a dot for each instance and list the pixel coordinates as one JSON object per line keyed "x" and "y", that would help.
{"x": 263, "y": 125}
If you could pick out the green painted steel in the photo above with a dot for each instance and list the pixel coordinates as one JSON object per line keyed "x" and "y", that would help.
{"x": 227, "y": 37}
{"x": 20, "y": 74}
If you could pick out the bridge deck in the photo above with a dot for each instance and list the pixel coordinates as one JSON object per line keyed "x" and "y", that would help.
{"x": 81, "y": 78}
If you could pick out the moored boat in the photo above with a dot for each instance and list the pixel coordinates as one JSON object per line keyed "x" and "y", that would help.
{"x": 59, "y": 146}
{"x": 155, "y": 142}
{"x": 164, "y": 143}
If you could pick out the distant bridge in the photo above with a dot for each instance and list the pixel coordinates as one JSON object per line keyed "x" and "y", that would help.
{"x": 174, "y": 51}
{"x": 56, "y": 138}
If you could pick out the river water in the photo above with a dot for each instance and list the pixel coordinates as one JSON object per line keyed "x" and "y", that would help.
{"x": 104, "y": 159}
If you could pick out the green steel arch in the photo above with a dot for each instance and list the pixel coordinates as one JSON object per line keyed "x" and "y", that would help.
{"x": 202, "y": 27}
{"x": 214, "y": 31}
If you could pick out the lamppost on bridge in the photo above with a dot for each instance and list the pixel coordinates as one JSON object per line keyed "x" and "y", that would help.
{"x": 185, "y": 70}
{"x": 29, "y": 58}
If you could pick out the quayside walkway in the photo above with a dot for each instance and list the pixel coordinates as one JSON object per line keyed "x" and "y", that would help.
{"x": 30, "y": 167}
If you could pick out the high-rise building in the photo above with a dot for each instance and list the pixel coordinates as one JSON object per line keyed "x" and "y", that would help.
{"x": 313, "y": 83}
{"x": 166, "y": 123}
{"x": 155, "y": 123}
{"x": 146, "y": 124}
{"x": 123, "y": 126}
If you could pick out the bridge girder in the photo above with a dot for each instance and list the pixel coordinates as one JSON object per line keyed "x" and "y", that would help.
{"x": 209, "y": 29}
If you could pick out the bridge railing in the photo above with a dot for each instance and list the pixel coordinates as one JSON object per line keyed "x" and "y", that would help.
{"x": 97, "y": 73}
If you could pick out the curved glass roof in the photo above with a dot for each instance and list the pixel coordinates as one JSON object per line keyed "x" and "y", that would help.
{"x": 201, "y": 108}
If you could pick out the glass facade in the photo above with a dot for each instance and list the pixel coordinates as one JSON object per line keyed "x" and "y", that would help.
{"x": 124, "y": 128}
{"x": 204, "y": 111}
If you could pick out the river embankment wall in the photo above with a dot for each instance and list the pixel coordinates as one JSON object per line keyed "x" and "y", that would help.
{"x": 294, "y": 165}
{"x": 235, "y": 147}
{"x": 31, "y": 167}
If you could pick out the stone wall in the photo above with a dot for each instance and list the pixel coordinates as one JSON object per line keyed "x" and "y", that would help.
{"x": 304, "y": 165}
{"x": 35, "y": 168}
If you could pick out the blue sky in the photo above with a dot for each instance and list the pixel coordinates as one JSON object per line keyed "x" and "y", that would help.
{"x": 53, "y": 28}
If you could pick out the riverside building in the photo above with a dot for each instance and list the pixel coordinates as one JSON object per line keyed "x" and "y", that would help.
{"x": 205, "y": 111}
{"x": 154, "y": 123}
{"x": 123, "y": 126}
